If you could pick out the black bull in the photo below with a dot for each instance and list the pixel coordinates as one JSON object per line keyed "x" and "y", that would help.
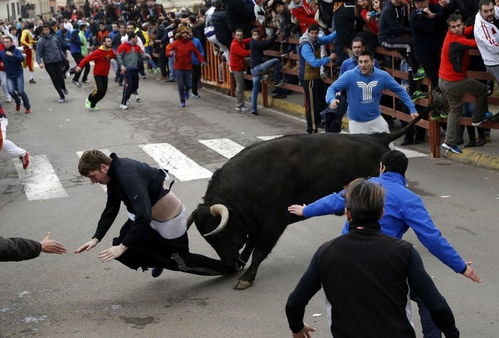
{"x": 257, "y": 185}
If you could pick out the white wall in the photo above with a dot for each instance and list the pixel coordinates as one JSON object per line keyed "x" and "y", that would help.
{"x": 4, "y": 14}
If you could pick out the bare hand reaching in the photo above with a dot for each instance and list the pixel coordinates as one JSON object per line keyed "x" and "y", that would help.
{"x": 112, "y": 253}
{"x": 296, "y": 209}
{"x": 470, "y": 273}
{"x": 87, "y": 246}
{"x": 52, "y": 246}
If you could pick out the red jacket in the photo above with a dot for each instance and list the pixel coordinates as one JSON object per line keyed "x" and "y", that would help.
{"x": 101, "y": 35}
{"x": 183, "y": 53}
{"x": 305, "y": 16}
{"x": 455, "y": 58}
{"x": 239, "y": 51}
{"x": 102, "y": 60}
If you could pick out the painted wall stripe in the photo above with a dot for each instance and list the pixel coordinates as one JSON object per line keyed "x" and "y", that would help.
{"x": 411, "y": 153}
{"x": 40, "y": 180}
{"x": 267, "y": 138}
{"x": 178, "y": 164}
{"x": 224, "y": 146}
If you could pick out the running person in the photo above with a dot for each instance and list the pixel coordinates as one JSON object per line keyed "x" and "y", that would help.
{"x": 27, "y": 42}
{"x": 155, "y": 234}
{"x": 102, "y": 57}
{"x": 10, "y": 147}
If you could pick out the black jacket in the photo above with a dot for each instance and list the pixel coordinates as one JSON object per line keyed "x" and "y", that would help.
{"x": 18, "y": 249}
{"x": 139, "y": 186}
{"x": 222, "y": 31}
{"x": 239, "y": 15}
{"x": 366, "y": 277}
{"x": 393, "y": 22}
{"x": 257, "y": 48}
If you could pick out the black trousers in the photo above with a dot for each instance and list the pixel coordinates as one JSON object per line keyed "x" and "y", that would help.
{"x": 86, "y": 70}
{"x": 56, "y": 73}
{"x": 315, "y": 102}
{"x": 131, "y": 84}
{"x": 99, "y": 91}
{"x": 196, "y": 77}
{"x": 430, "y": 63}
{"x": 152, "y": 250}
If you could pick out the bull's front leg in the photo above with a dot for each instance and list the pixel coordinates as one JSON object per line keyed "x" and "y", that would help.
{"x": 260, "y": 252}
{"x": 246, "y": 253}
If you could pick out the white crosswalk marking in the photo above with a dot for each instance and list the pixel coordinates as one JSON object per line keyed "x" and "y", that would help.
{"x": 40, "y": 180}
{"x": 410, "y": 153}
{"x": 224, "y": 146}
{"x": 267, "y": 138}
{"x": 105, "y": 151}
{"x": 178, "y": 164}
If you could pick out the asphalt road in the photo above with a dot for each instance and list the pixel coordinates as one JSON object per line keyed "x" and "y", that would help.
{"x": 76, "y": 295}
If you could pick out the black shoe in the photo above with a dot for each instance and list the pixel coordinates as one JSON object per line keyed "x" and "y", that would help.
{"x": 32, "y": 81}
{"x": 156, "y": 272}
{"x": 480, "y": 142}
{"x": 116, "y": 79}
{"x": 255, "y": 113}
{"x": 169, "y": 80}
{"x": 65, "y": 91}
{"x": 471, "y": 144}
{"x": 120, "y": 83}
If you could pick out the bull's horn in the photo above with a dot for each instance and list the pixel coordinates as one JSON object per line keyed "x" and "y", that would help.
{"x": 215, "y": 210}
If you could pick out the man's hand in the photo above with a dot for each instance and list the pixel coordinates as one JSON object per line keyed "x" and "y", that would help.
{"x": 87, "y": 246}
{"x": 443, "y": 3}
{"x": 123, "y": 69}
{"x": 41, "y": 65}
{"x": 470, "y": 273}
{"x": 296, "y": 209}
{"x": 77, "y": 69}
{"x": 334, "y": 104}
{"x": 414, "y": 115}
{"x": 8, "y": 53}
{"x": 112, "y": 253}
{"x": 332, "y": 56}
{"x": 52, "y": 246}
{"x": 305, "y": 332}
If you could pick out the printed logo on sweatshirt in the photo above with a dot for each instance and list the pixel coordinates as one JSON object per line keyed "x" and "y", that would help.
{"x": 367, "y": 89}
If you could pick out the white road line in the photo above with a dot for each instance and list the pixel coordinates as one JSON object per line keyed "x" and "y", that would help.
{"x": 40, "y": 180}
{"x": 267, "y": 138}
{"x": 178, "y": 164}
{"x": 224, "y": 146}
{"x": 105, "y": 151}
{"x": 410, "y": 153}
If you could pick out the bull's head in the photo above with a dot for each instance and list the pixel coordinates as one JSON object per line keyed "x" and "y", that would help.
{"x": 213, "y": 223}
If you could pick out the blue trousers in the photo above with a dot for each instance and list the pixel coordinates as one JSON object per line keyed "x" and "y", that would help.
{"x": 430, "y": 330}
{"x": 16, "y": 90}
{"x": 257, "y": 73}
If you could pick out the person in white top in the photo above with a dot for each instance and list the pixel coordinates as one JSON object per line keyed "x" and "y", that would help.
{"x": 486, "y": 33}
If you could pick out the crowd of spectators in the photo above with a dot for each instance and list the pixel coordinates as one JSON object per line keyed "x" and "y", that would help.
{"x": 416, "y": 29}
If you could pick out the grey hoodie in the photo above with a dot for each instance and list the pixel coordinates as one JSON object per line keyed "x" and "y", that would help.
{"x": 48, "y": 50}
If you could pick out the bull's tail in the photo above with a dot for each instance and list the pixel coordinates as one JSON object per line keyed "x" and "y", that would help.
{"x": 387, "y": 138}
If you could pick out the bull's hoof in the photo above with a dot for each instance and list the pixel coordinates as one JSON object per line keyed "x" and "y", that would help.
{"x": 242, "y": 285}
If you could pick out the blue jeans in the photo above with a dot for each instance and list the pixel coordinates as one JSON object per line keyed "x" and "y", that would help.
{"x": 16, "y": 90}
{"x": 150, "y": 61}
{"x": 257, "y": 73}
{"x": 171, "y": 60}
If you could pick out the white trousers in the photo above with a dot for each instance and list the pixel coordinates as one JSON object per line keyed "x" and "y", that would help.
{"x": 9, "y": 146}
{"x": 223, "y": 48}
{"x": 171, "y": 229}
{"x": 3, "y": 79}
{"x": 378, "y": 125}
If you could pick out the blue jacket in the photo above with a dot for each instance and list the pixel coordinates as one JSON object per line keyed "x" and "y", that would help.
{"x": 12, "y": 64}
{"x": 200, "y": 48}
{"x": 403, "y": 210}
{"x": 75, "y": 42}
{"x": 364, "y": 92}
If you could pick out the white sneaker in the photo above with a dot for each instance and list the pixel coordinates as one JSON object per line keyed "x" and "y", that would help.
{"x": 241, "y": 109}
{"x": 61, "y": 100}
{"x": 9, "y": 100}
{"x": 137, "y": 98}
{"x": 123, "y": 106}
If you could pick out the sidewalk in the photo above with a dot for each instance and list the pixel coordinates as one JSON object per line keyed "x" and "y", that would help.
{"x": 485, "y": 157}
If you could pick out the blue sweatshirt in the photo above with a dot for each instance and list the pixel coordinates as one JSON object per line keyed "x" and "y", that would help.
{"x": 200, "y": 48}
{"x": 403, "y": 209}
{"x": 307, "y": 50}
{"x": 364, "y": 93}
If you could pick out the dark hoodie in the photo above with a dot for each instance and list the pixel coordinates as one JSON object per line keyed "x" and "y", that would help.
{"x": 394, "y": 22}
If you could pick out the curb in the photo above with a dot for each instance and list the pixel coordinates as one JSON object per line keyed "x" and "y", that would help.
{"x": 476, "y": 158}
